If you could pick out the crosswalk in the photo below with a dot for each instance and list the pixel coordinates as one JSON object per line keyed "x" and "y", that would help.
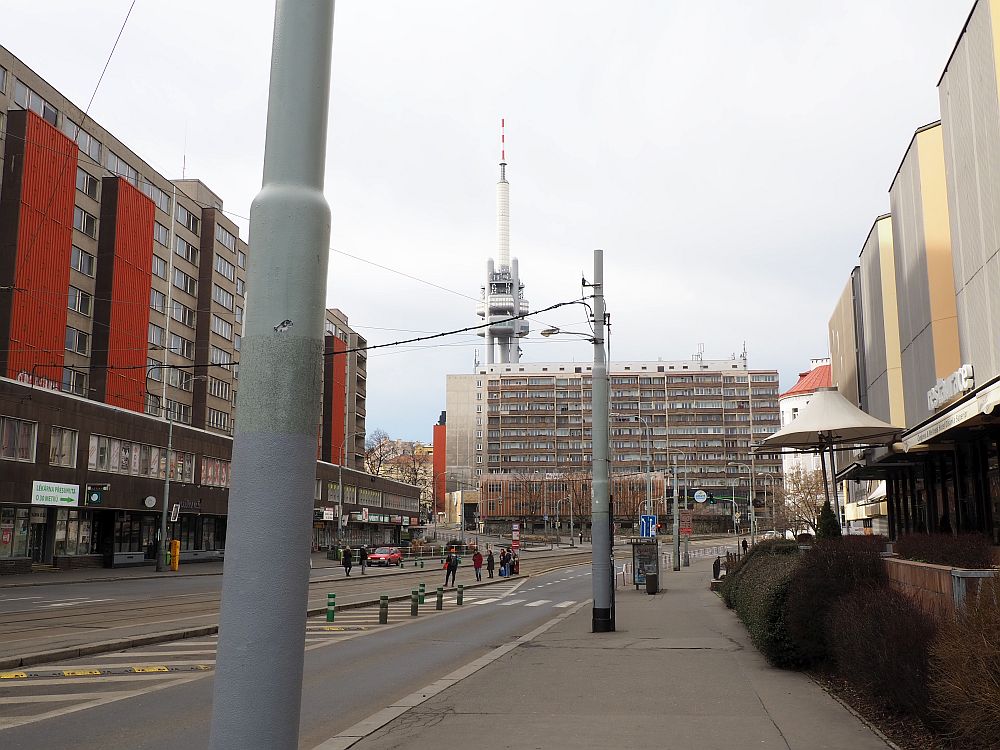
{"x": 34, "y": 694}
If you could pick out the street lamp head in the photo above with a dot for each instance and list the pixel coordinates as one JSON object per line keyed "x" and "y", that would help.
{"x": 546, "y": 332}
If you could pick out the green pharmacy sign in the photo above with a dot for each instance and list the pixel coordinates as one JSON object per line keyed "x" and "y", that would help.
{"x": 54, "y": 493}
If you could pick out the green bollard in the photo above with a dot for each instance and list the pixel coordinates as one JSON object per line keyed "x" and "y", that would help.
{"x": 420, "y": 593}
{"x": 421, "y": 563}
{"x": 461, "y": 594}
{"x": 331, "y": 607}
{"x": 413, "y": 603}
{"x": 383, "y": 609}
{"x": 440, "y": 599}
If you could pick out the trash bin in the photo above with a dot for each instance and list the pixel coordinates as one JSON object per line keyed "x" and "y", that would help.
{"x": 652, "y": 583}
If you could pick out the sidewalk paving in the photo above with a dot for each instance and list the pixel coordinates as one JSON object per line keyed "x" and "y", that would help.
{"x": 680, "y": 672}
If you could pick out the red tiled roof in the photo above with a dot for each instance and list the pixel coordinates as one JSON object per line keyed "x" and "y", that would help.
{"x": 809, "y": 381}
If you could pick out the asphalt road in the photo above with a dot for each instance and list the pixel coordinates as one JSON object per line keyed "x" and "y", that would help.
{"x": 41, "y": 618}
{"x": 159, "y": 696}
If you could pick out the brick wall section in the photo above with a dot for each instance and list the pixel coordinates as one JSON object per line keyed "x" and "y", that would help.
{"x": 928, "y": 585}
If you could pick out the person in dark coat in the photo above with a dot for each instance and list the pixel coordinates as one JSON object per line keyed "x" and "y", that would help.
{"x": 745, "y": 545}
{"x": 451, "y": 568}
{"x": 347, "y": 561}
{"x": 489, "y": 563}
{"x": 363, "y": 558}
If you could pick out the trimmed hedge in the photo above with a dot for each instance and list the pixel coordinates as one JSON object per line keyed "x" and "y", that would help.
{"x": 956, "y": 551}
{"x": 830, "y": 569}
{"x": 759, "y": 600}
{"x": 879, "y": 640}
{"x": 768, "y": 547}
{"x": 965, "y": 668}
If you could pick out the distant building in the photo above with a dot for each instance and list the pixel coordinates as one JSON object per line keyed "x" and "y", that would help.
{"x": 791, "y": 402}
{"x": 525, "y": 428}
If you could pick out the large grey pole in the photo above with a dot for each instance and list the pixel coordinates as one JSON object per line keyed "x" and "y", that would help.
{"x": 600, "y": 525}
{"x": 258, "y": 678}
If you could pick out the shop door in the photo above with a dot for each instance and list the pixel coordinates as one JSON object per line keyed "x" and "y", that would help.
{"x": 36, "y": 542}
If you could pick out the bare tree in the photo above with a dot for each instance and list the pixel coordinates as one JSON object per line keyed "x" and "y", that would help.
{"x": 380, "y": 450}
{"x": 797, "y": 503}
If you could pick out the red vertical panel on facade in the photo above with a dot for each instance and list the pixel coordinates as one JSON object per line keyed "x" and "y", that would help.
{"x": 338, "y": 403}
{"x": 128, "y": 323}
{"x": 44, "y": 242}
{"x": 440, "y": 466}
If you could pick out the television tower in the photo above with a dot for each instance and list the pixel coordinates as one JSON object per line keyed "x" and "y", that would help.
{"x": 503, "y": 293}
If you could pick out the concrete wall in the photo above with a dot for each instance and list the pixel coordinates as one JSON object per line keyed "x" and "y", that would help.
{"x": 928, "y": 320}
{"x": 970, "y": 115}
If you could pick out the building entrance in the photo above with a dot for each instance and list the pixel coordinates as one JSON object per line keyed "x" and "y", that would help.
{"x": 36, "y": 542}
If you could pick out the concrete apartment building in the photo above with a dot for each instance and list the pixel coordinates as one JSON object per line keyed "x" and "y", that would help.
{"x": 122, "y": 301}
{"x": 927, "y": 304}
{"x": 520, "y": 430}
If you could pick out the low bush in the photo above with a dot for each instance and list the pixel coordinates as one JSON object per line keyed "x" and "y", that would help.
{"x": 965, "y": 668}
{"x": 830, "y": 569}
{"x": 805, "y": 538}
{"x": 733, "y": 569}
{"x": 759, "y": 600}
{"x": 879, "y": 640}
{"x": 957, "y": 551}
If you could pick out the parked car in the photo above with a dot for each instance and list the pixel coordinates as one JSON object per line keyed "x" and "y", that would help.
{"x": 385, "y": 556}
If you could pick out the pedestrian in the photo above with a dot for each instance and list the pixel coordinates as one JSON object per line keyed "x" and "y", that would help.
{"x": 581, "y": 538}
{"x": 477, "y": 564}
{"x": 504, "y": 560}
{"x": 490, "y": 562}
{"x": 515, "y": 564}
{"x": 363, "y": 558}
{"x": 745, "y": 545}
{"x": 347, "y": 561}
{"x": 451, "y": 568}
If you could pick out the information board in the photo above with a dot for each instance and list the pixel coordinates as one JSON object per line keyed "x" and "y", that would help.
{"x": 645, "y": 559}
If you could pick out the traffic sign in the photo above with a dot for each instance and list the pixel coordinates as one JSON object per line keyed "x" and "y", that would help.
{"x": 647, "y": 526}
{"x": 686, "y": 522}
{"x": 700, "y": 496}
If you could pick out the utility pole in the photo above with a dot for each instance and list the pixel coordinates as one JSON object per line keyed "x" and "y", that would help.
{"x": 600, "y": 525}
{"x": 677, "y": 522}
{"x": 258, "y": 676}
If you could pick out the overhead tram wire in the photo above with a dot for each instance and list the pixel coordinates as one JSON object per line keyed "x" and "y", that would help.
{"x": 353, "y": 350}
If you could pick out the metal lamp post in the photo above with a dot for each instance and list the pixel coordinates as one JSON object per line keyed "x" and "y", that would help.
{"x": 602, "y": 612}
{"x": 753, "y": 515}
{"x": 260, "y": 657}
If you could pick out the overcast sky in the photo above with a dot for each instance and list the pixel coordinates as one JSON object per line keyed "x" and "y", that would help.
{"x": 730, "y": 157}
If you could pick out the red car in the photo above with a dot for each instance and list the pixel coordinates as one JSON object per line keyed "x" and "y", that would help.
{"x": 385, "y": 556}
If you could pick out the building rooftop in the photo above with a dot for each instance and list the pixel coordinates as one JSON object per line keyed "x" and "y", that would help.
{"x": 809, "y": 381}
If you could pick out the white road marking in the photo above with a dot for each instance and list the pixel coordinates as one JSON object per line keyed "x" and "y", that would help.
{"x": 61, "y": 697}
{"x": 564, "y": 604}
{"x": 485, "y": 601}
{"x": 510, "y": 602}
{"x": 539, "y": 603}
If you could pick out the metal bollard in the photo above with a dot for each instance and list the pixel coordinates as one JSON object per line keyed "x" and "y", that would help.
{"x": 420, "y": 593}
{"x": 383, "y": 609}
{"x": 461, "y": 594}
{"x": 413, "y": 603}
{"x": 331, "y": 607}
{"x": 440, "y": 599}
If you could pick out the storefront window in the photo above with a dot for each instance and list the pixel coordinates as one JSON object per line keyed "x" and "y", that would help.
{"x": 6, "y": 532}
{"x": 208, "y": 533}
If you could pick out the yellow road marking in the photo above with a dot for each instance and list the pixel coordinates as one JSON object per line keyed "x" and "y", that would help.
{"x": 81, "y": 672}
{"x": 150, "y": 669}
{"x": 13, "y": 675}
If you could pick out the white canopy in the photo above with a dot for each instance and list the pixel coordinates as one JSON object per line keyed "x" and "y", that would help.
{"x": 830, "y": 419}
